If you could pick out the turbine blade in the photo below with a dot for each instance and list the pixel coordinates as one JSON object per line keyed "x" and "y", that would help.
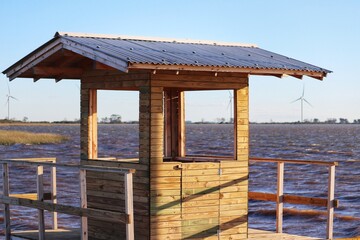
{"x": 296, "y": 100}
{"x": 14, "y": 98}
{"x": 307, "y": 102}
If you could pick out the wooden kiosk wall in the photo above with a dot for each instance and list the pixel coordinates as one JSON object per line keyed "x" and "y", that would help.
{"x": 173, "y": 199}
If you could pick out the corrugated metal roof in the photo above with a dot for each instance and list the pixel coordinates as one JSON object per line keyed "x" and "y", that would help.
{"x": 166, "y": 52}
{"x": 124, "y": 53}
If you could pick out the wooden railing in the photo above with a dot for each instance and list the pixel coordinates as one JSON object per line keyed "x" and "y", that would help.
{"x": 28, "y": 200}
{"x": 280, "y": 198}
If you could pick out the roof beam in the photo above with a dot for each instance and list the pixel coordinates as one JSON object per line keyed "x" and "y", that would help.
{"x": 55, "y": 71}
{"x": 251, "y": 71}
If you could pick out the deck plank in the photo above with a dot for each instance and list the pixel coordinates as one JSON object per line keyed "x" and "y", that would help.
{"x": 262, "y": 234}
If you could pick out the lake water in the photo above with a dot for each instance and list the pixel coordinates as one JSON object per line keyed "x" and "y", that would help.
{"x": 307, "y": 142}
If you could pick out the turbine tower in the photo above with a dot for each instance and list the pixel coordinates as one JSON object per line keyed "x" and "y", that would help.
{"x": 302, "y": 100}
{"x": 9, "y": 96}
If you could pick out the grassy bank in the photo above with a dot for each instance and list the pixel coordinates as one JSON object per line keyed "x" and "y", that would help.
{"x": 13, "y": 137}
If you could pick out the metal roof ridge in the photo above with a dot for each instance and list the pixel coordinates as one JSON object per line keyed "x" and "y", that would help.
{"x": 155, "y": 39}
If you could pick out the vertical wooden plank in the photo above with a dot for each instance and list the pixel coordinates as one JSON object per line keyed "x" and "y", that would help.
{"x": 88, "y": 131}
{"x": 181, "y": 124}
{"x": 84, "y": 115}
{"x": 92, "y": 124}
{"x": 330, "y": 206}
{"x": 54, "y": 197}
{"x": 129, "y": 205}
{"x": 6, "y": 192}
{"x": 167, "y": 123}
{"x": 40, "y": 195}
{"x": 83, "y": 203}
{"x": 280, "y": 197}
{"x": 144, "y": 125}
{"x": 241, "y": 124}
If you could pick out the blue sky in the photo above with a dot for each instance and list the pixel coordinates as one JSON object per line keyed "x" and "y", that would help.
{"x": 324, "y": 33}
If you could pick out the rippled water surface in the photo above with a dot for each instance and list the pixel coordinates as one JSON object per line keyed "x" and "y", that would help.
{"x": 308, "y": 142}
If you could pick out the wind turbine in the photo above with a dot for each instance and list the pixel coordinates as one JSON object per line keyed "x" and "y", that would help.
{"x": 9, "y": 96}
{"x": 302, "y": 100}
{"x": 230, "y": 105}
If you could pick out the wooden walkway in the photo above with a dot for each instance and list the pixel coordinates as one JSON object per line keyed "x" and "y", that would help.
{"x": 74, "y": 234}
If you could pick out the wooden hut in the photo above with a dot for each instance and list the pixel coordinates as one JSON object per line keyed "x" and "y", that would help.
{"x": 176, "y": 196}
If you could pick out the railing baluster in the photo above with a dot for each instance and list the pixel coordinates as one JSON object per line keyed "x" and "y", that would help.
{"x": 280, "y": 197}
{"x": 6, "y": 190}
{"x": 330, "y": 207}
{"x": 40, "y": 195}
{"x": 83, "y": 202}
{"x": 54, "y": 197}
{"x": 129, "y": 208}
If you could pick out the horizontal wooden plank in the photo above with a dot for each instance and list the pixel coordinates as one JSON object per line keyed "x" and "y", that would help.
{"x": 115, "y": 196}
{"x": 70, "y": 210}
{"x": 292, "y": 199}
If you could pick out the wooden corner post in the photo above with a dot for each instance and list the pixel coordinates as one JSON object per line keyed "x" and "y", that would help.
{"x": 241, "y": 142}
{"x": 241, "y": 124}
{"x": 89, "y": 145}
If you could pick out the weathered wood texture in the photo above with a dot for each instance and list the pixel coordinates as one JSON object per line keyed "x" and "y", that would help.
{"x": 115, "y": 80}
{"x": 197, "y": 81}
{"x": 88, "y": 128}
{"x": 106, "y": 191}
{"x": 172, "y": 200}
{"x": 199, "y": 200}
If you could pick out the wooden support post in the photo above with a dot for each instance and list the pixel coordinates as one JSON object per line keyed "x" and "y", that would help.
{"x": 92, "y": 125}
{"x": 330, "y": 206}
{"x": 181, "y": 124}
{"x": 54, "y": 196}
{"x": 83, "y": 204}
{"x": 280, "y": 197}
{"x": 6, "y": 192}
{"x": 241, "y": 124}
{"x": 129, "y": 208}
{"x": 40, "y": 195}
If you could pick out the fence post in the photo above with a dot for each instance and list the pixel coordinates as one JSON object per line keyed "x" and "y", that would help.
{"x": 129, "y": 208}
{"x": 54, "y": 196}
{"x": 280, "y": 197}
{"x": 6, "y": 192}
{"x": 40, "y": 195}
{"x": 330, "y": 203}
{"x": 83, "y": 202}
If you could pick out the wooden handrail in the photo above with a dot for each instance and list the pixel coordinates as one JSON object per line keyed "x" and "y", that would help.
{"x": 82, "y": 211}
{"x": 291, "y": 161}
{"x": 70, "y": 166}
{"x": 280, "y": 198}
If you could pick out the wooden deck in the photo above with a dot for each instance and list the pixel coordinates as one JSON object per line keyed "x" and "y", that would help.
{"x": 74, "y": 234}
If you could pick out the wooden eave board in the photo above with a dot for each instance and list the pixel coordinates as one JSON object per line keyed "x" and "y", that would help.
{"x": 213, "y": 69}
